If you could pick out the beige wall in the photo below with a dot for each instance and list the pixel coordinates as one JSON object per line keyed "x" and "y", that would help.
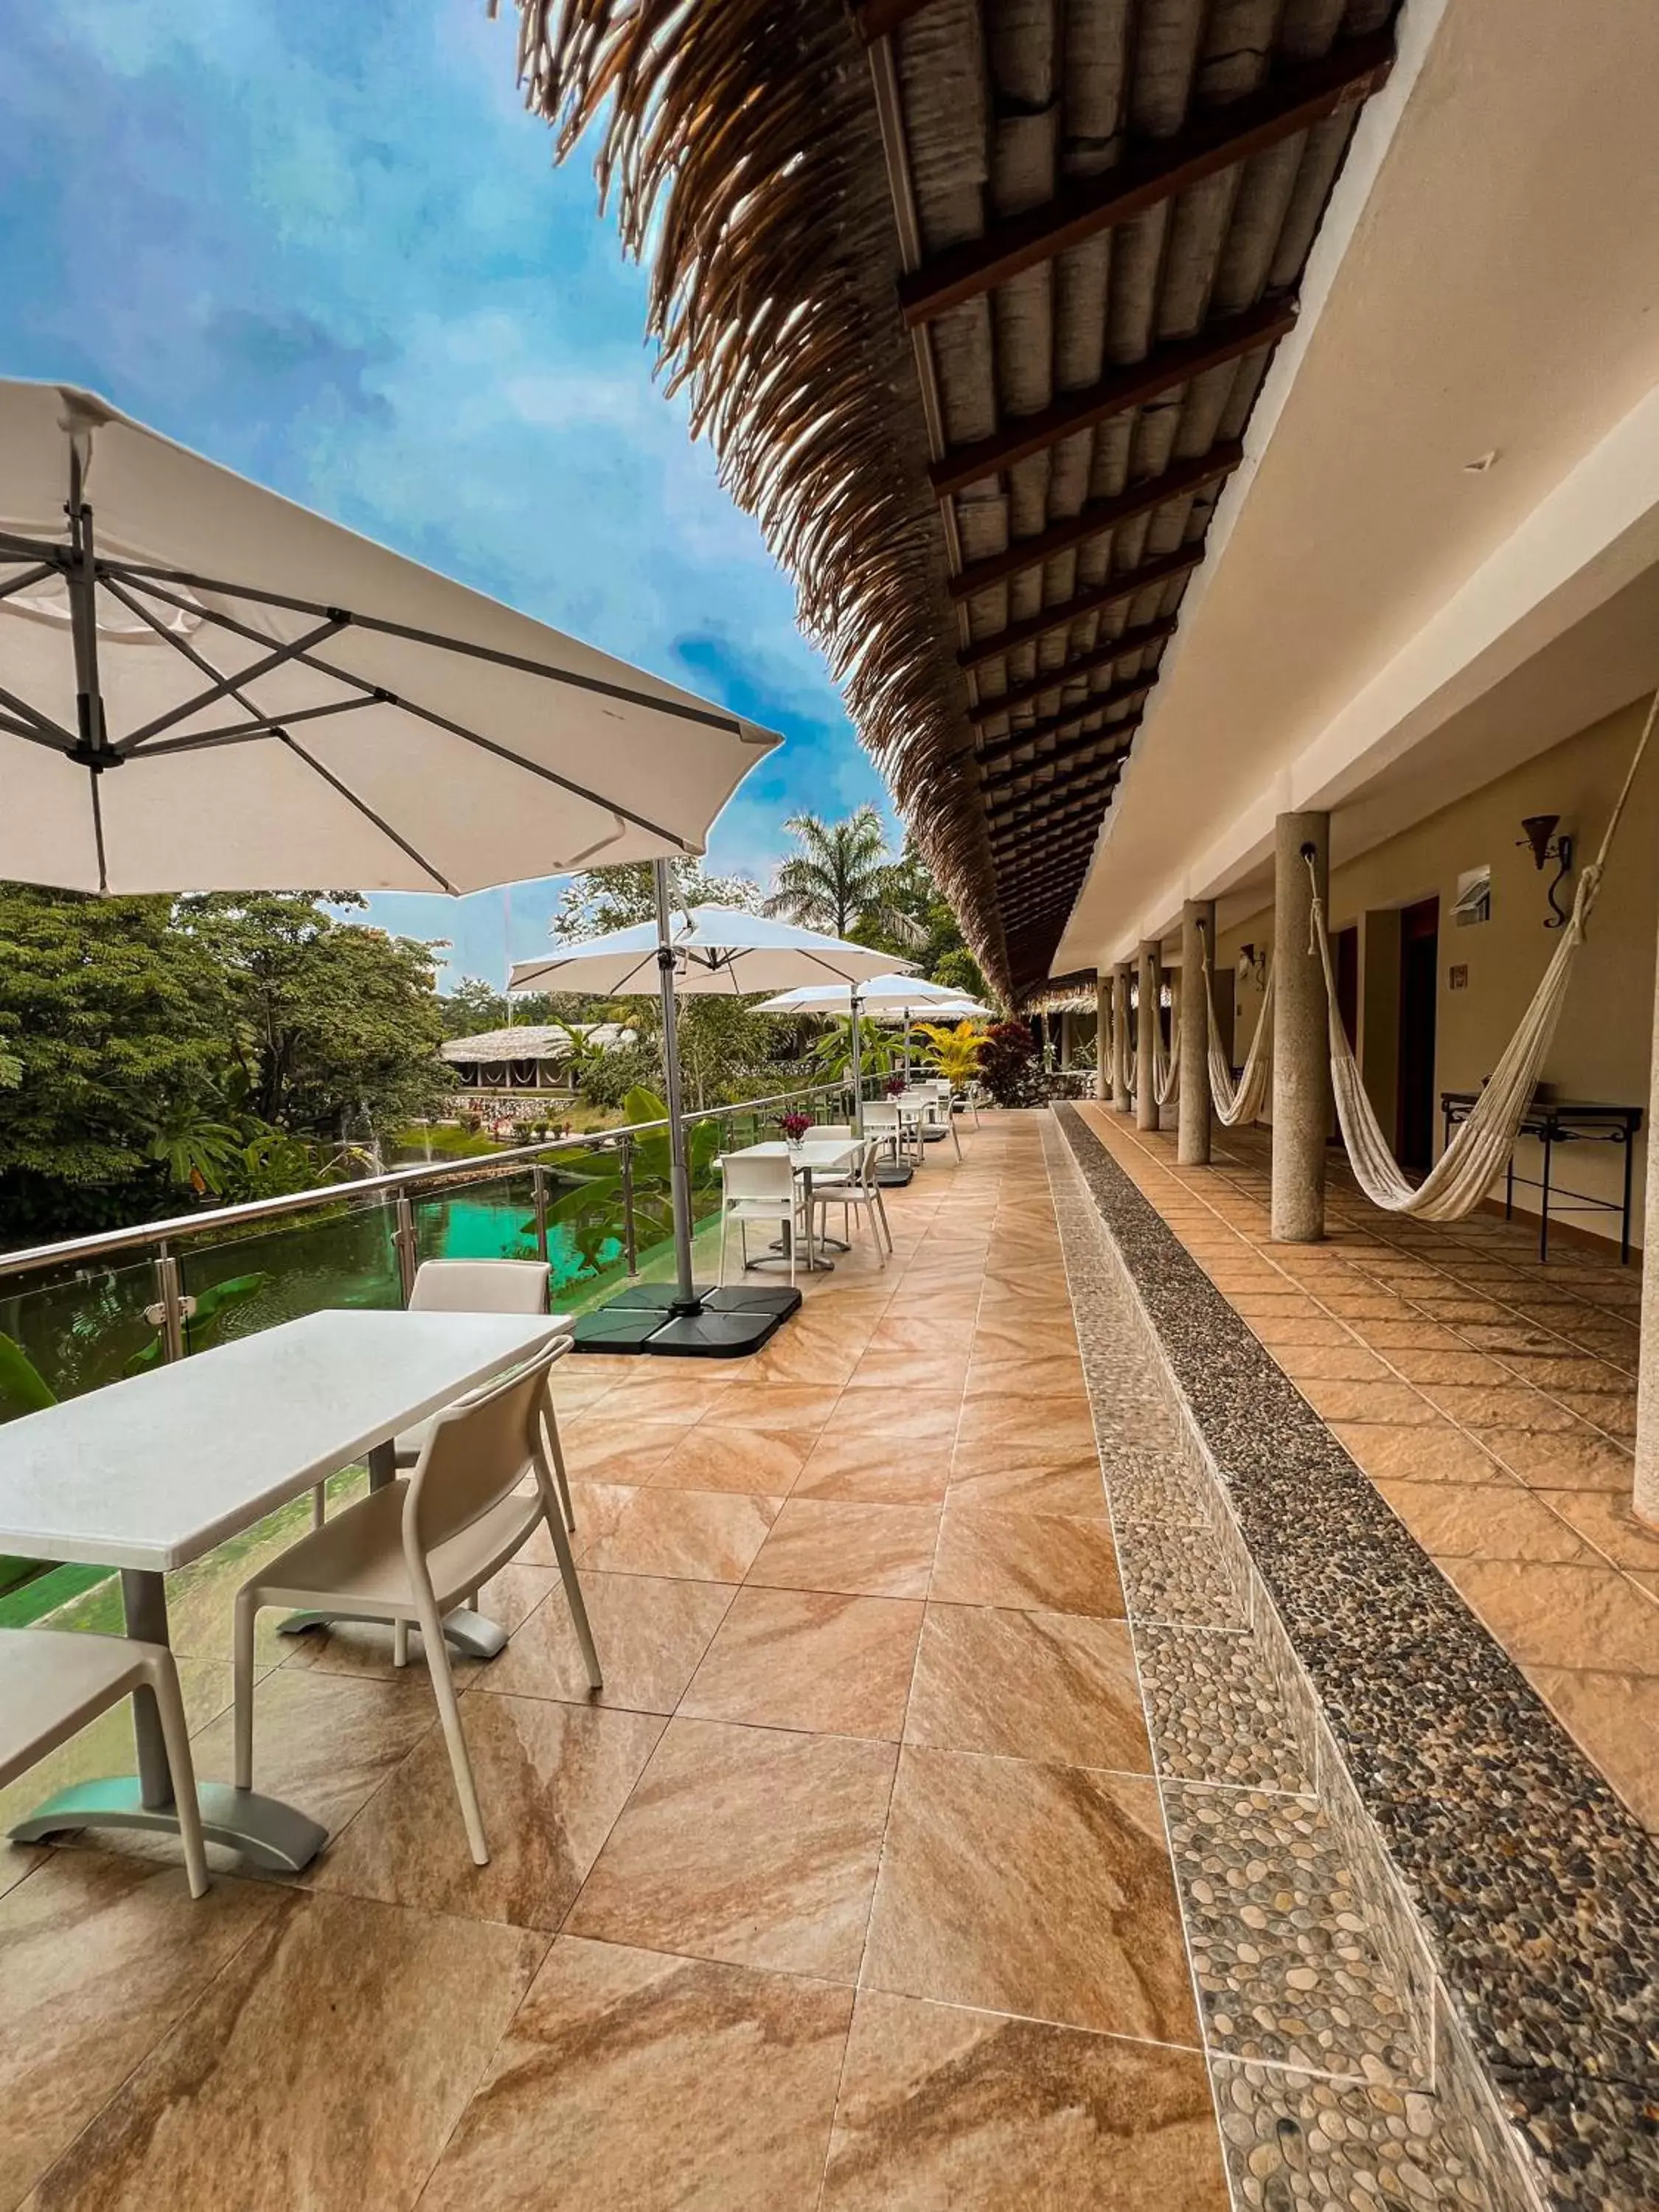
{"x": 1601, "y": 1049}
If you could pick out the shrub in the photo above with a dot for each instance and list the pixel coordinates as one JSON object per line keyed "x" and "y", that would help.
{"x": 1008, "y": 1066}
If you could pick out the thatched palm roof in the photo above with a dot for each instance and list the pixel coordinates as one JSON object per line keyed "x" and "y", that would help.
{"x": 974, "y": 297}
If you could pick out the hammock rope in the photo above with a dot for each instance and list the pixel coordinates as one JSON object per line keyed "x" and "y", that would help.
{"x": 1243, "y": 1104}
{"x": 1166, "y": 1070}
{"x": 1465, "y": 1171}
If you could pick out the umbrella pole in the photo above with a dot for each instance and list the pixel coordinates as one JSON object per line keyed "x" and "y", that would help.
{"x": 858, "y": 1069}
{"x": 680, "y": 1181}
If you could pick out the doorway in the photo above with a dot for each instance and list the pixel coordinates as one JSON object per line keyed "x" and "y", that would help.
{"x": 1345, "y": 946}
{"x": 1419, "y": 972}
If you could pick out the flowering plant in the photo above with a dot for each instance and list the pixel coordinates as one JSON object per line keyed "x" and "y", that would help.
{"x": 794, "y": 1127}
{"x": 896, "y": 1086}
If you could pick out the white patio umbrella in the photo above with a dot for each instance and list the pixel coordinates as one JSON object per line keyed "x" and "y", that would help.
{"x": 897, "y": 995}
{"x": 709, "y": 952}
{"x": 205, "y": 686}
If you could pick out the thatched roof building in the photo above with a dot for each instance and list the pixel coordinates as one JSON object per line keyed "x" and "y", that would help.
{"x": 974, "y": 297}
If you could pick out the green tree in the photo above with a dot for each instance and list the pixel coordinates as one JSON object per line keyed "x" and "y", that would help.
{"x": 842, "y": 879}
{"x": 120, "y": 1021}
{"x": 475, "y": 1006}
{"x": 602, "y": 899}
{"x": 332, "y": 1023}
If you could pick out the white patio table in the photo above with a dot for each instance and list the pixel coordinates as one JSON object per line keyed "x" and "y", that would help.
{"x": 151, "y": 1473}
{"x": 824, "y": 1155}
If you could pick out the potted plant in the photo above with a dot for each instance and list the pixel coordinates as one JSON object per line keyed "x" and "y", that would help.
{"x": 794, "y": 1127}
{"x": 896, "y": 1086}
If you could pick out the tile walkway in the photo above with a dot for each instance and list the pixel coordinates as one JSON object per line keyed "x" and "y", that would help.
{"x": 855, "y": 1889}
{"x": 1491, "y": 1400}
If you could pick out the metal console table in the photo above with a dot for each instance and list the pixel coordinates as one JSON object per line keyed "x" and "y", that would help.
{"x": 1563, "y": 1122}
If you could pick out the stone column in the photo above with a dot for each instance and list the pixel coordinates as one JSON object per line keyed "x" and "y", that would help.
{"x": 1147, "y": 1037}
{"x": 1120, "y": 1098}
{"x": 1302, "y": 1066}
{"x": 1105, "y": 1038}
{"x": 1197, "y": 937}
{"x": 1647, "y": 1365}
{"x": 1066, "y": 1040}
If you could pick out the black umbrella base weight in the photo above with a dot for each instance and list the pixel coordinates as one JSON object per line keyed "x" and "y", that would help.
{"x": 723, "y": 1324}
{"x": 894, "y": 1175}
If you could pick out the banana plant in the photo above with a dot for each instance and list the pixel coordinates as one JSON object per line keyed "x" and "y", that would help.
{"x": 210, "y": 1306}
{"x": 592, "y": 1213}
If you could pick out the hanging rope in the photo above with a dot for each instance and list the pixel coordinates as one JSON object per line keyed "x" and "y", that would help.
{"x": 1236, "y": 1107}
{"x": 1166, "y": 1069}
{"x": 1465, "y": 1171}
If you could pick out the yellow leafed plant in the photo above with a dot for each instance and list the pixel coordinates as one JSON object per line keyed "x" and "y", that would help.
{"x": 954, "y": 1052}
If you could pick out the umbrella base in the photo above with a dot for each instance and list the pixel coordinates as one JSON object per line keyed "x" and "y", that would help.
{"x": 894, "y": 1177}
{"x": 726, "y": 1324}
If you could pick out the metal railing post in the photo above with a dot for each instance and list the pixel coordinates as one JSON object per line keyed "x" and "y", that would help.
{"x": 630, "y": 1234}
{"x": 538, "y": 1186}
{"x": 403, "y": 1237}
{"x": 169, "y": 1305}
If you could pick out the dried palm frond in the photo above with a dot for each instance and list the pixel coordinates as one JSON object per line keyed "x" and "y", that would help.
{"x": 741, "y": 146}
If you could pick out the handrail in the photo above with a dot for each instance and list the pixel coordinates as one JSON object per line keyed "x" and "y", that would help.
{"x": 140, "y": 1234}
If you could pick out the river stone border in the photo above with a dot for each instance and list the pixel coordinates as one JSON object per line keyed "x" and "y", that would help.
{"x": 1536, "y": 1890}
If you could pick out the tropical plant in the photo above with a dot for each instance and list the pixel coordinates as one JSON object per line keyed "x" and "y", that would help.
{"x": 11, "y": 1068}
{"x": 843, "y": 878}
{"x": 957, "y": 1052}
{"x": 195, "y": 1147}
{"x": 210, "y": 1306}
{"x": 600, "y": 900}
{"x": 1007, "y": 1067}
{"x": 832, "y": 1055}
{"x": 591, "y": 1213}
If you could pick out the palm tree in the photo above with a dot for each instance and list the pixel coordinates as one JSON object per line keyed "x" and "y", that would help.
{"x": 841, "y": 877}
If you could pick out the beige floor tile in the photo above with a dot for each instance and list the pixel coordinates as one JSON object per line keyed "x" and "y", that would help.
{"x": 1040, "y": 1561}
{"x": 782, "y": 1406}
{"x": 712, "y": 1456}
{"x": 810, "y": 1661}
{"x": 323, "y": 1742}
{"x": 1305, "y": 1329}
{"x": 1612, "y": 1411}
{"x": 1483, "y": 1520}
{"x": 701, "y": 1535}
{"x": 326, "y": 2066}
{"x": 650, "y": 1632}
{"x": 363, "y": 1648}
{"x": 868, "y": 1468}
{"x": 551, "y": 1778}
{"x": 1433, "y": 1451}
{"x": 750, "y": 1845}
{"x": 1475, "y": 1406}
{"x": 867, "y": 1551}
{"x": 663, "y": 1392}
{"x": 1568, "y": 1459}
{"x": 1395, "y": 1404}
{"x": 1615, "y": 1719}
{"x": 608, "y": 1447}
{"x": 942, "y": 2109}
{"x": 99, "y": 1955}
{"x": 1463, "y": 1367}
{"x": 931, "y": 1371}
{"x": 1055, "y": 1378}
{"x": 1562, "y": 1616}
{"x": 634, "y": 2082}
{"x": 1023, "y": 1888}
{"x": 1334, "y": 1362}
{"x": 1043, "y": 1686}
{"x": 1020, "y": 1483}
{"x": 1607, "y": 1518}
{"x": 917, "y": 1416}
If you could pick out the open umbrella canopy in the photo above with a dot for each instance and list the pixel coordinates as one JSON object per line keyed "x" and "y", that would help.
{"x": 890, "y": 991}
{"x": 204, "y": 686}
{"x": 717, "y": 949}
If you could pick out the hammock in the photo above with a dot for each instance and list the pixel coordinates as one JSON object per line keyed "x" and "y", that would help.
{"x": 1245, "y": 1104}
{"x": 1460, "y": 1177}
{"x": 1166, "y": 1070}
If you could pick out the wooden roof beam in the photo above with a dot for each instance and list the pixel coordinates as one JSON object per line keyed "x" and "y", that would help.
{"x": 1213, "y": 139}
{"x": 1175, "y": 362}
{"x": 1057, "y": 829}
{"x": 1061, "y": 756}
{"x": 1085, "y": 664}
{"x": 1062, "y": 613}
{"x": 879, "y": 19}
{"x": 1069, "y": 722}
{"x": 1098, "y": 516}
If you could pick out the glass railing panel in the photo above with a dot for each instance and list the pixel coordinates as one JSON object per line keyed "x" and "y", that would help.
{"x": 60, "y": 1338}
{"x": 337, "y": 1255}
{"x": 494, "y": 1219}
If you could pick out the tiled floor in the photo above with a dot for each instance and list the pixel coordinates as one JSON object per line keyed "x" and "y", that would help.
{"x": 853, "y": 1890}
{"x": 1490, "y": 1398}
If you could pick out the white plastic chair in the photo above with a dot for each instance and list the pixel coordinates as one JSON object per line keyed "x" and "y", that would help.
{"x": 54, "y": 1681}
{"x": 883, "y": 1121}
{"x": 760, "y": 1189}
{"x": 859, "y": 1190}
{"x": 943, "y": 1114}
{"x": 415, "y": 1548}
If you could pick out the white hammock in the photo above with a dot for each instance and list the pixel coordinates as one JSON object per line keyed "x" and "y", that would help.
{"x": 1465, "y": 1171}
{"x": 1244, "y": 1104}
{"x": 1166, "y": 1070}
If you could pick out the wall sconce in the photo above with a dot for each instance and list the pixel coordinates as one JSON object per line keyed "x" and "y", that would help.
{"x": 1253, "y": 966}
{"x": 1541, "y": 838}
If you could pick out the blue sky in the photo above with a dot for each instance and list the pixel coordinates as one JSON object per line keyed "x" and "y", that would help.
{"x": 322, "y": 241}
